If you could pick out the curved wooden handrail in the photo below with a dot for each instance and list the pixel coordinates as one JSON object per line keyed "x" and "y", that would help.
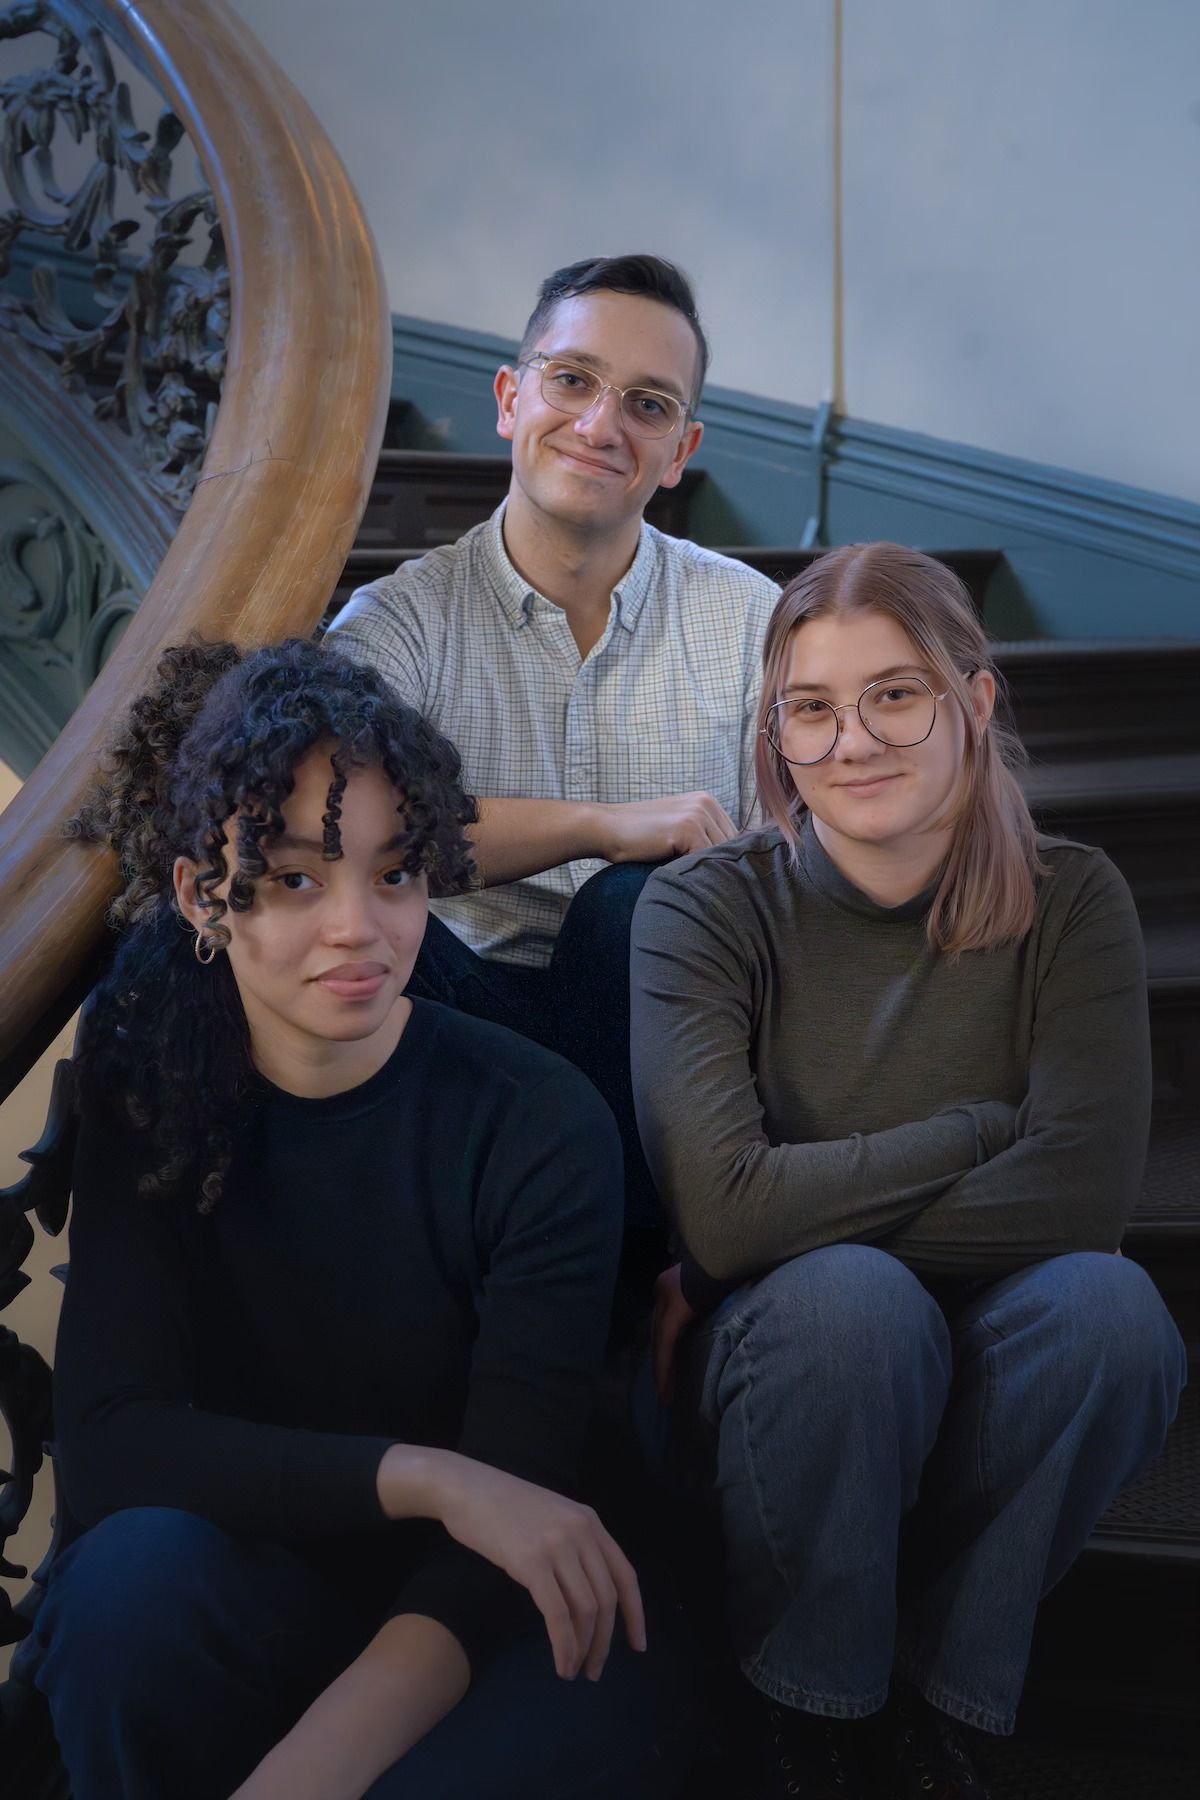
{"x": 285, "y": 480}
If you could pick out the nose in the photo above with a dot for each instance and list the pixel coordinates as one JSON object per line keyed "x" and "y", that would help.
{"x": 854, "y": 741}
{"x": 350, "y": 919}
{"x": 601, "y": 423}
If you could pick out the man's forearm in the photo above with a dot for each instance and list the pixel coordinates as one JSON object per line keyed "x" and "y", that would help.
{"x": 412, "y": 1673}
{"x": 517, "y": 838}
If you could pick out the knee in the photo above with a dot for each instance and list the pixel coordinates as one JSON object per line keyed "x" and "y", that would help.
{"x": 853, "y": 1307}
{"x": 1108, "y": 1330}
{"x": 120, "y": 1595}
{"x": 604, "y": 904}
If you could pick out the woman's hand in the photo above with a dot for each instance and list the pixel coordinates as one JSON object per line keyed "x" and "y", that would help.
{"x": 575, "y": 1573}
{"x": 672, "y": 1315}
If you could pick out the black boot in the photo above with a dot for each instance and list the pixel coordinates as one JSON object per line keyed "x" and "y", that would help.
{"x": 806, "y": 1757}
{"x": 925, "y": 1755}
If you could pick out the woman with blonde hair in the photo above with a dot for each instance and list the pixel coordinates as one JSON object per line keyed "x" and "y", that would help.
{"x": 891, "y": 1059}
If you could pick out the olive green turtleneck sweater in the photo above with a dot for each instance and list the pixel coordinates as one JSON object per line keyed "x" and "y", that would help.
{"x": 809, "y": 1071}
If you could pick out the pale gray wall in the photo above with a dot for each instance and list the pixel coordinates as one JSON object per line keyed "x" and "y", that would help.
{"x": 494, "y": 140}
{"x": 1022, "y": 266}
{"x": 1022, "y": 207}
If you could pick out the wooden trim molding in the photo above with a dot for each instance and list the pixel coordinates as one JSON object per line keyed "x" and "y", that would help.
{"x": 1081, "y": 509}
{"x": 287, "y": 473}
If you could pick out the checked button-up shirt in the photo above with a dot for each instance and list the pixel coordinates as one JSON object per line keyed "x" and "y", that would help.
{"x": 664, "y": 703}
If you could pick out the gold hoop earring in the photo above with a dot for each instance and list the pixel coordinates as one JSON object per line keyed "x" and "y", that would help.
{"x": 202, "y": 944}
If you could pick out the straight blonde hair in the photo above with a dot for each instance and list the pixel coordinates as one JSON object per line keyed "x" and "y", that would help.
{"x": 988, "y": 891}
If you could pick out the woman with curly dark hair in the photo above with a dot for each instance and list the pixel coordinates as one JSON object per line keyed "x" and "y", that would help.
{"x": 341, "y": 1267}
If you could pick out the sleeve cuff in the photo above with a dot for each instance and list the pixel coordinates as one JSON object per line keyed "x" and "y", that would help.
{"x": 329, "y": 1484}
{"x": 701, "y": 1290}
{"x": 477, "y": 1602}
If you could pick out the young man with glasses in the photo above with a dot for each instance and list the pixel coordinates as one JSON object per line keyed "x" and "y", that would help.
{"x": 598, "y": 677}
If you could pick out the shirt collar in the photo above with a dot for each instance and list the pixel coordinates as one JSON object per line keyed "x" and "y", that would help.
{"x": 514, "y": 593}
{"x": 518, "y": 599}
{"x": 634, "y": 585}
{"x": 828, "y": 878}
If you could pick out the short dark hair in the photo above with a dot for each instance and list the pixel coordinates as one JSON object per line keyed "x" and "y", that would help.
{"x": 652, "y": 277}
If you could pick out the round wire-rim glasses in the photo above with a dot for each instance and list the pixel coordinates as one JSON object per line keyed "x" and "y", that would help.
{"x": 637, "y": 404}
{"x": 777, "y": 717}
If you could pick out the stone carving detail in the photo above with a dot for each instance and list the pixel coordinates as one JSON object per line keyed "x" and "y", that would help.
{"x": 64, "y": 599}
{"x": 153, "y": 355}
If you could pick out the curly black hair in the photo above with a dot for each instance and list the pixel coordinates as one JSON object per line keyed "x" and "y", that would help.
{"x": 218, "y": 738}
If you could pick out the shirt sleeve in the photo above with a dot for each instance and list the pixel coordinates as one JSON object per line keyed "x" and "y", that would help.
{"x": 742, "y": 1203}
{"x": 757, "y": 617}
{"x": 548, "y": 1219}
{"x": 1071, "y": 1178}
{"x": 382, "y": 625}
{"x": 124, "y": 1373}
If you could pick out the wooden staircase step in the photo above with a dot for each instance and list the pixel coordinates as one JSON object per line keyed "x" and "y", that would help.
{"x": 974, "y": 567}
{"x": 1144, "y": 811}
{"x": 1096, "y": 783}
{"x": 424, "y": 497}
{"x": 374, "y": 556}
{"x": 1172, "y": 941}
{"x": 1168, "y": 1211}
{"x": 1074, "y": 1767}
{"x": 1103, "y": 697}
{"x": 1158, "y": 1516}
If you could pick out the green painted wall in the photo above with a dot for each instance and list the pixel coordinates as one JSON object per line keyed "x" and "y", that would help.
{"x": 1085, "y": 558}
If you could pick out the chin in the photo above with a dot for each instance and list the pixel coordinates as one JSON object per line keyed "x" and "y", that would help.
{"x": 862, "y": 823}
{"x": 353, "y": 1023}
{"x": 579, "y": 493}
{"x": 355, "y": 1030}
{"x": 578, "y": 499}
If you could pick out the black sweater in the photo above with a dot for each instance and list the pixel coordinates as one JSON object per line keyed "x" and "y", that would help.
{"x": 428, "y": 1258}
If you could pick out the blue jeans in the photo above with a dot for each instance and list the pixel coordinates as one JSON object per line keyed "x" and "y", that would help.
{"x": 174, "y": 1656}
{"x": 900, "y": 1481}
{"x": 579, "y": 1006}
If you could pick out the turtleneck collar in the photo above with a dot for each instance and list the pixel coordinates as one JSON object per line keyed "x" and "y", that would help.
{"x": 828, "y": 879}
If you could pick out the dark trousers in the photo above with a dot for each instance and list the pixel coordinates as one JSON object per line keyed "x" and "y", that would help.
{"x": 579, "y": 1006}
{"x": 174, "y": 1656}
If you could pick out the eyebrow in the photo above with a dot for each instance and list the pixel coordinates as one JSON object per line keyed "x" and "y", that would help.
{"x": 288, "y": 841}
{"x": 662, "y": 384}
{"x": 815, "y": 687}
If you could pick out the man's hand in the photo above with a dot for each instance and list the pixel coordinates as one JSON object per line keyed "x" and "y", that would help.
{"x": 514, "y": 838}
{"x": 559, "y": 1551}
{"x": 672, "y": 1316}
{"x": 657, "y": 830}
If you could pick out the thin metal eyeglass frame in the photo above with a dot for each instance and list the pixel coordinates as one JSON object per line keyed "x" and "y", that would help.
{"x": 540, "y": 361}
{"x": 855, "y": 706}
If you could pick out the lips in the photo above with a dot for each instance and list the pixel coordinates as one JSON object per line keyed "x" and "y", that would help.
{"x": 866, "y": 788}
{"x": 587, "y": 462}
{"x": 354, "y": 981}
